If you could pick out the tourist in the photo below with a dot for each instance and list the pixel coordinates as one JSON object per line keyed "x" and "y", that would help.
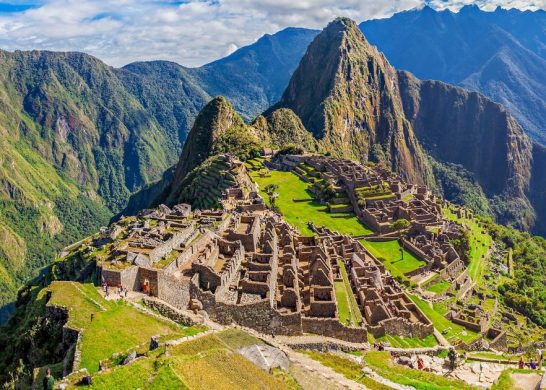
{"x": 452, "y": 355}
{"x": 532, "y": 364}
{"x": 521, "y": 363}
{"x": 126, "y": 291}
{"x": 92, "y": 316}
{"x": 420, "y": 363}
{"x": 539, "y": 357}
{"x": 413, "y": 361}
{"x": 49, "y": 381}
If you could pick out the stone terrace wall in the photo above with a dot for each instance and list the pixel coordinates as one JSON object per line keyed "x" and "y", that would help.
{"x": 331, "y": 327}
{"x": 414, "y": 250}
{"x": 256, "y": 315}
{"x": 401, "y": 327}
{"x": 171, "y": 312}
{"x": 174, "y": 291}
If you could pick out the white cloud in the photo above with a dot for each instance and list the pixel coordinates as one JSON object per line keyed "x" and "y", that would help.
{"x": 192, "y": 32}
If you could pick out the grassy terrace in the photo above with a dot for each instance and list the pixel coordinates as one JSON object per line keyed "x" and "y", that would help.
{"x": 116, "y": 326}
{"x": 480, "y": 242}
{"x": 348, "y": 310}
{"x": 439, "y": 287}
{"x": 348, "y": 368}
{"x": 389, "y": 253}
{"x": 436, "y": 315}
{"x": 209, "y": 362}
{"x": 410, "y": 342}
{"x": 382, "y": 364}
{"x": 298, "y": 206}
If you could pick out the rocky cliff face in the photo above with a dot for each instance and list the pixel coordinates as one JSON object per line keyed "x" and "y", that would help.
{"x": 465, "y": 128}
{"x": 345, "y": 93}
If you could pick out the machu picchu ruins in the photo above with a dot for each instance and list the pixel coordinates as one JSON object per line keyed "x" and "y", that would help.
{"x": 243, "y": 263}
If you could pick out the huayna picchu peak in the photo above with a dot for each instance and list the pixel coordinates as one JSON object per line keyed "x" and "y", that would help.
{"x": 362, "y": 229}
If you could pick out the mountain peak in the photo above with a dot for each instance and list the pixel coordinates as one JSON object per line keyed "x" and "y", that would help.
{"x": 344, "y": 92}
{"x": 214, "y": 119}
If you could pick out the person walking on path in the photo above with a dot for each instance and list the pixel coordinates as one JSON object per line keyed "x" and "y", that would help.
{"x": 49, "y": 381}
{"x": 539, "y": 358}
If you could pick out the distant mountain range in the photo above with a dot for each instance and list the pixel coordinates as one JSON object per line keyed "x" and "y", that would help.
{"x": 79, "y": 137}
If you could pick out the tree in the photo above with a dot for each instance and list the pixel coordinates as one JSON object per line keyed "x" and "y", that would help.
{"x": 400, "y": 224}
{"x": 270, "y": 189}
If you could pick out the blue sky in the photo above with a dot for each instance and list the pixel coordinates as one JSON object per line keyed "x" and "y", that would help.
{"x": 190, "y": 32}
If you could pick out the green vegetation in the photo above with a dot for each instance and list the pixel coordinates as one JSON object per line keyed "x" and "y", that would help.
{"x": 478, "y": 245}
{"x": 525, "y": 291}
{"x": 439, "y": 287}
{"x": 298, "y": 206}
{"x": 116, "y": 326}
{"x": 203, "y": 363}
{"x": 239, "y": 141}
{"x": 343, "y": 311}
{"x": 451, "y": 331}
{"x": 389, "y": 252}
{"x": 382, "y": 363}
{"x": 347, "y": 367}
{"x": 505, "y": 381}
{"x": 354, "y": 316}
{"x": 410, "y": 342}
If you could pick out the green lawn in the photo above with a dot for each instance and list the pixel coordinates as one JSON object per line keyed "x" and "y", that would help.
{"x": 116, "y": 325}
{"x": 342, "y": 303}
{"x": 410, "y": 342}
{"x": 208, "y": 362}
{"x": 439, "y": 287}
{"x": 436, "y": 315}
{"x": 479, "y": 245}
{"x": 348, "y": 310}
{"x": 390, "y": 252}
{"x": 298, "y": 206}
{"x": 383, "y": 365}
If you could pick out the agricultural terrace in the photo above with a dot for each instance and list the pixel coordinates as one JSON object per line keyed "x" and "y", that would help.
{"x": 382, "y": 364}
{"x": 116, "y": 325}
{"x": 347, "y": 306}
{"x": 451, "y": 331}
{"x": 203, "y": 363}
{"x": 298, "y": 205}
{"x": 479, "y": 242}
{"x": 389, "y": 253}
{"x": 409, "y": 342}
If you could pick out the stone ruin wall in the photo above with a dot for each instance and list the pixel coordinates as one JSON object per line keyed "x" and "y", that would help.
{"x": 71, "y": 338}
{"x": 401, "y": 327}
{"x": 331, "y": 327}
{"x": 256, "y": 315}
{"x": 174, "y": 291}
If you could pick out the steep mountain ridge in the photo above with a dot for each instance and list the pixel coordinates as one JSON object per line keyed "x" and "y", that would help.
{"x": 466, "y": 128}
{"x": 358, "y": 106}
{"x": 501, "y": 54}
{"x": 343, "y": 91}
{"x": 77, "y": 140}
